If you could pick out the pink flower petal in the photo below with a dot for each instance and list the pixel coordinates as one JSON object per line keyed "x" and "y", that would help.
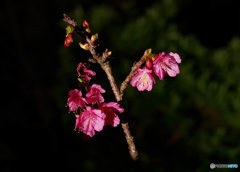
{"x": 173, "y": 70}
{"x": 83, "y": 72}
{"x": 166, "y": 63}
{"x": 75, "y": 100}
{"x": 94, "y": 94}
{"x": 143, "y": 80}
{"x": 110, "y": 110}
{"x": 176, "y": 57}
{"x": 90, "y": 120}
{"x": 158, "y": 70}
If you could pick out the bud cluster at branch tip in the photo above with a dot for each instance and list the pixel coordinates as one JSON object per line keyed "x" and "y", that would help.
{"x": 69, "y": 37}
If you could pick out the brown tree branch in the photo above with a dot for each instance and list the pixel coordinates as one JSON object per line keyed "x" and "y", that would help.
{"x": 101, "y": 60}
{"x": 131, "y": 74}
{"x": 130, "y": 140}
{"x": 70, "y": 21}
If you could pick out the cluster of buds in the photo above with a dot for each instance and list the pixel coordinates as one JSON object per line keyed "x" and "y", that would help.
{"x": 93, "y": 38}
{"x": 69, "y": 37}
{"x": 159, "y": 64}
{"x": 86, "y": 28}
{"x": 91, "y": 111}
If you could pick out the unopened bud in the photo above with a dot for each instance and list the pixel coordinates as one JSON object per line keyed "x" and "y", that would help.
{"x": 147, "y": 52}
{"x": 85, "y": 25}
{"x": 84, "y": 46}
{"x": 88, "y": 30}
{"x": 68, "y": 40}
{"x": 69, "y": 29}
{"x": 94, "y": 38}
{"x": 80, "y": 80}
{"x": 149, "y": 63}
{"x": 109, "y": 53}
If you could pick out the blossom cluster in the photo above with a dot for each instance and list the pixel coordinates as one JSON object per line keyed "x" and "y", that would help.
{"x": 158, "y": 64}
{"x": 91, "y": 111}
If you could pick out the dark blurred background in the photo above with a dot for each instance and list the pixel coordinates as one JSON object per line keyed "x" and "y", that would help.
{"x": 183, "y": 124}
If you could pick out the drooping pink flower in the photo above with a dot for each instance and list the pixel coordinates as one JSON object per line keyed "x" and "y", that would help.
{"x": 166, "y": 63}
{"x": 94, "y": 94}
{"x": 110, "y": 110}
{"x": 143, "y": 80}
{"x": 83, "y": 72}
{"x": 90, "y": 120}
{"x": 75, "y": 100}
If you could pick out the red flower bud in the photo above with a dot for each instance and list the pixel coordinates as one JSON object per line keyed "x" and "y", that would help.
{"x": 85, "y": 23}
{"x": 149, "y": 63}
{"x": 68, "y": 40}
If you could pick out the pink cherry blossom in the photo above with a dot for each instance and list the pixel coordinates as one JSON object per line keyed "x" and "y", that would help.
{"x": 83, "y": 72}
{"x": 110, "y": 110}
{"x": 166, "y": 63}
{"x": 94, "y": 94}
{"x": 90, "y": 120}
{"x": 75, "y": 100}
{"x": 143, "y": 80}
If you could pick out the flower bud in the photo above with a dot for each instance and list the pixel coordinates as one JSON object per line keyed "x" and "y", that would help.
{"x": 88, "y": 30}
{"x": 68, "y": 40}
{"x": 109, "y": 53}
{"x": 147, "y": 52}
{"x": 149, "y": 63}
{"x": 69, "y": 29}
{"x": 80, "y": 80}
{"x": 84, "y": 46}
{"x": 94, "y": 38}
{"x": 85, "y": 25}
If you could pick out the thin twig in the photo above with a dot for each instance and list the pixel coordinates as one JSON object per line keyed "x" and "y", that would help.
{"x": 70, "y": 21}
{"x": 131, "y": 74}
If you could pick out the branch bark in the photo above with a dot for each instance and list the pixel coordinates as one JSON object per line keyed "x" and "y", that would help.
{"x": 131, "y": 74}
